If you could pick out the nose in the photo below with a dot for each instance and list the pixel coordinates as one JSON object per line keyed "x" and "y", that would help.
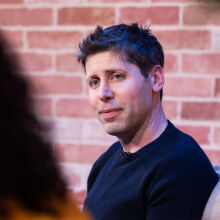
{"x": 105, "y": 92}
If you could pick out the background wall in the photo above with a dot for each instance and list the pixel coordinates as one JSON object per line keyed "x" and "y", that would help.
{"x": 46, "y": 33}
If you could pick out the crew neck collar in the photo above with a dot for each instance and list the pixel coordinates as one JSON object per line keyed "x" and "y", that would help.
{"x": 149, "y": 146}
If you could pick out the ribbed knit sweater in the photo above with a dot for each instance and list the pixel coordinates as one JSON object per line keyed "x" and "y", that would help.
{"x": 168, "y": 179}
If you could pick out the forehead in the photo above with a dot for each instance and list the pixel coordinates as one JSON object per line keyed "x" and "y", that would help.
{"x": 104, "y": 61}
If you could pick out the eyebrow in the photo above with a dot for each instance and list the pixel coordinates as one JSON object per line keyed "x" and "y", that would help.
{"x": 115, "y": 70}
{"x": 109, "y": 72}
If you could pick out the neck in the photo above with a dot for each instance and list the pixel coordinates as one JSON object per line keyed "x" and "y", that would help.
{"x": 150, "y": 130}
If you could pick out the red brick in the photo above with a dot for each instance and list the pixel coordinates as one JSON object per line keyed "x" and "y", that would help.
{"x": 76, "y": 174}
{"x": 55, "y": 1}
{"x": 80, "y": 196}
{"x": 67, "y": 130}
{"x": 217, "y": 136}
{"x": 171, "y": 63}
{"x": 72, "y": 177}
{"x": 201, "y": 15}
{"x": 15, "y": 38}
{"x": 170, "y": 109}
{"x": 56, "y": 84}
{"x": 201, "y": 63}
{"x": 79, "y": 153}
{"x": 86, "y": 16}
{"x": 43, "y": 106}
{"x": 216, "y": 39}
{"x": 201, "y": 110}
{"x": 184, "y": 39}
{"x": 116, "y": 1}
{"x": 93, "y": 130}
{"x": 174, "y": 1}
{"x": 74, "y": 108}
{"x": 68, "y": 62}
{"x": 24, "y": 16}
{"x": 214, "y": 156}
{"x": 11, "y": 1}
{"x": 53, "y": 40}
{"x": 150, "y": 15}
{"x": 200, "y": 134}
{"x": 217, "y": 88}
{"x": 36, "y": 62}
{"x": 180, "y": 86}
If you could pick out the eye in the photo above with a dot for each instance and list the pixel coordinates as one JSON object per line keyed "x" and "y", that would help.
{"x": 93, "y": 82}
{"x": 118, "y": 76}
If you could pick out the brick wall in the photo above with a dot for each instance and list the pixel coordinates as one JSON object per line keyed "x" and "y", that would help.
{"x": 46, "y": 32}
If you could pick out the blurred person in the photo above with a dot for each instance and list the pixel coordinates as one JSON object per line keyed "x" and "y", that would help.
{"x": 154, "y": 171}
{"x": 31, "y": 185}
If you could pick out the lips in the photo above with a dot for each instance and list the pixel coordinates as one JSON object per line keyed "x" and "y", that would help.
{"x": 110, "y": 113}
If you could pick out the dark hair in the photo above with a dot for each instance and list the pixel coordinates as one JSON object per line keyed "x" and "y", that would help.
{"x": 28, "y": 168}
{"x": 135, "y": 43}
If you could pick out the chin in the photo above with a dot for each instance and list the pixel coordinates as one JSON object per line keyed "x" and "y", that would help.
{"x": 111, "y": 128}
{"x": 114, "y": 131}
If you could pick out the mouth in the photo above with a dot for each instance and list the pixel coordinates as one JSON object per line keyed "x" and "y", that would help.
{"x": 110, "y": 113}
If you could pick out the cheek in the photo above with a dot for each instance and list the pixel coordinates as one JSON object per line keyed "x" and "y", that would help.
{"x": 131, "y": 94}
{"x": 129, "y": 100}
{"x": 92, "y": 100}
{"x": 137, "y": 98}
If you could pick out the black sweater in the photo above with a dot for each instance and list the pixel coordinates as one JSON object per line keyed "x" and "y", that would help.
{"x": 169, "y": 179}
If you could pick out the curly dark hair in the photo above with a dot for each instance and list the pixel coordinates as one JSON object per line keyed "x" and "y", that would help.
{"x": 135, "y": 43}
{"x": 28, "y": 167}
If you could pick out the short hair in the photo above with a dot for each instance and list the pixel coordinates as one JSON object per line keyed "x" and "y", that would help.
{"x": 135, "y": 43}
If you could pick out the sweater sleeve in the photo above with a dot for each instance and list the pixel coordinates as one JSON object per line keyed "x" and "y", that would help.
{"x": 180, "y": 188}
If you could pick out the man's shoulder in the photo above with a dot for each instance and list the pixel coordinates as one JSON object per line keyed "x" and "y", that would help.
{"x": 177, "y": 144}
{"x": 181, "y": 140}
{"x": 181, "y": 158}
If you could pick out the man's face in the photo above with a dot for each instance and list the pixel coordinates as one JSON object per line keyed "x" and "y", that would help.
{"x": 119, "y": 93}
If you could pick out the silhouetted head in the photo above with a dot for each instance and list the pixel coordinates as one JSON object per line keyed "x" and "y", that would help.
{"x": 29, "y": 172}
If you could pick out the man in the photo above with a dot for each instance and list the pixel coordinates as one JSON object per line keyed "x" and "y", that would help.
{"x": 155, "y": 171}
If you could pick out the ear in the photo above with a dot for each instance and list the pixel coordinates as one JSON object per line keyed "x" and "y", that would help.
{"x": 157, "y": 78}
